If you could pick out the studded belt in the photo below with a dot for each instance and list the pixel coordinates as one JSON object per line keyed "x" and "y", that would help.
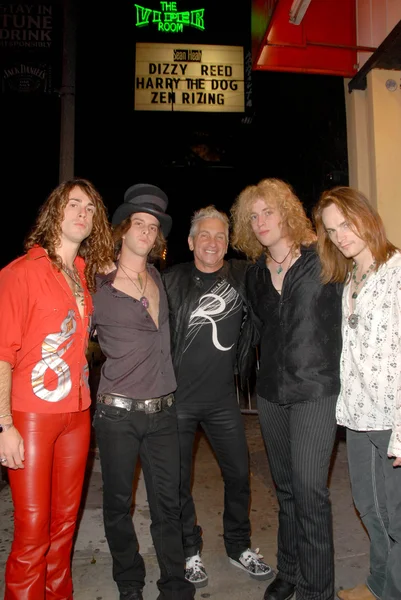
{"x": 151, "y": 405}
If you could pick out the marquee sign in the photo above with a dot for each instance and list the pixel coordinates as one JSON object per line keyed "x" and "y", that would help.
{"x": 187, "y": 77}
{"x": 169, "y": 19}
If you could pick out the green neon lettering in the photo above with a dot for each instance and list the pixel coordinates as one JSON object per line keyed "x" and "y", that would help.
{"x": 171, "y": 27}
{"x": 197, "y": 18}
{"x": 142, "y": 15}
{"x": 169, "y": 19}
{"x": 183, "y": 18}
{"x": 169, "y": 6}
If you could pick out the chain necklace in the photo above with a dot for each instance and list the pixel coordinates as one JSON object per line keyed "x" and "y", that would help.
{"x": 354, "y": 318}
{"x": 279, "y": 269}
{"x": 74, "y": 276}
{"x": 137, "y": 272}
{"x": 143, "y": 300}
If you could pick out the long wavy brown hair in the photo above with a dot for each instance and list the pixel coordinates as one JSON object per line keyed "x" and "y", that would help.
{"x": 277, "y": 194}
{"x": 121, "y": 229}
{"x": 96, "y": 249}
{"x": 365, "y": 222}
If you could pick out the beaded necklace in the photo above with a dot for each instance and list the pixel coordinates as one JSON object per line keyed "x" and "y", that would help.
{"x": 362, "y": 279}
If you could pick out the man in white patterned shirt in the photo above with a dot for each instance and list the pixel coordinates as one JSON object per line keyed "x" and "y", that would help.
{"x": 354, "y": 250}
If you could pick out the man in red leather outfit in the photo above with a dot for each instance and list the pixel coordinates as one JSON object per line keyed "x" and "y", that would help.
{"x": 45, "y": 312}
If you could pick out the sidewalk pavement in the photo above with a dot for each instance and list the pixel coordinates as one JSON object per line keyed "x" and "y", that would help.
{"x": 92, "y": 562}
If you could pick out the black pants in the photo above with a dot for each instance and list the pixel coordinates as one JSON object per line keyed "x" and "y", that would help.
{"x": 299, "y": 439}
{"x": 122, "y": 436}
{"x": 223, "y": 424}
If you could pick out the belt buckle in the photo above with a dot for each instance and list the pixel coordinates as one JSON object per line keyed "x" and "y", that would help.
{"x": 153, "y": 406}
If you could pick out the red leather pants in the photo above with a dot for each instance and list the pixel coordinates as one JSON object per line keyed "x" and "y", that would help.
{"x": 46, "y": 496}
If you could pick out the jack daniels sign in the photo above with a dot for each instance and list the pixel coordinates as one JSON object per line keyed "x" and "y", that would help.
{"x": 30, "y": 47}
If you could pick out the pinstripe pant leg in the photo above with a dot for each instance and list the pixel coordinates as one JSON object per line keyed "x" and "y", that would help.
{"x": 305, "y": 542}
{"x": 275, "y": 426}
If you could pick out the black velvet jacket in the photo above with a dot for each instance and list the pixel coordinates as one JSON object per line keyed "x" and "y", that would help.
{"x": 300, "y": 331}
{"x": 184, "y": 289}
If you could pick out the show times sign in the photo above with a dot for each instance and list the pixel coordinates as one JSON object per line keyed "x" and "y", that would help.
{"x": 185, "y": 77}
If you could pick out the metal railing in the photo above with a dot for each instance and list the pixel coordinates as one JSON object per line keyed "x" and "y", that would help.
{"x": 246, "y": 398}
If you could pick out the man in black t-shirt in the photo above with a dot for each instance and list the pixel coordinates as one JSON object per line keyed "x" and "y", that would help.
{"x": 208, "y": 312}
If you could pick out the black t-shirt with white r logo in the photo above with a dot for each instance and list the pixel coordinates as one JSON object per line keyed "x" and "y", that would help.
{"x": 207, "y": 364}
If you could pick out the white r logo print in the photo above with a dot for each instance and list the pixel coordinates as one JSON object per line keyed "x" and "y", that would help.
{"x": 51, "y": 359}
{"x": 215, "y": 305}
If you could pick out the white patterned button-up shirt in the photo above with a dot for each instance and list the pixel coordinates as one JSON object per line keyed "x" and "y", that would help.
{"x": 370, "y": 396}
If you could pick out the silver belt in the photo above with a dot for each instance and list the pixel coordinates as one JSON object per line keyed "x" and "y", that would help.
{"x": 152, "y": 405}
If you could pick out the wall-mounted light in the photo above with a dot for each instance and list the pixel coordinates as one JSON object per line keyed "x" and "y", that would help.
{"x": 298, "y": 10}
{"x": 391, "y": 85}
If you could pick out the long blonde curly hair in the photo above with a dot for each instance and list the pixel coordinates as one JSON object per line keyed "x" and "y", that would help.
{"x": 277, "y": 194}
{"x": 96, "y": 249}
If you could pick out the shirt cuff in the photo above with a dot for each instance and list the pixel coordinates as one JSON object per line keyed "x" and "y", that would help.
{"x": 394, "y": 447}
{"x": 8, "y": 355}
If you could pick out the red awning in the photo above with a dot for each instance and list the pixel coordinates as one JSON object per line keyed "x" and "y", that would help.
{"x": 323, "y": 42}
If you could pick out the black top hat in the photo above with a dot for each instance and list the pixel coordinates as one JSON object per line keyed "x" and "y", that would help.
{"x": 147, "y": 198}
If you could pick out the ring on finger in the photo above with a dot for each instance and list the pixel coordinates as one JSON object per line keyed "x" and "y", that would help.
{"x": 3, "y": 460}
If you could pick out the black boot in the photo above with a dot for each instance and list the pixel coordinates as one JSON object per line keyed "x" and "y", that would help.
{"x": 279, "y": 590}
{"x": 131, "y": 594}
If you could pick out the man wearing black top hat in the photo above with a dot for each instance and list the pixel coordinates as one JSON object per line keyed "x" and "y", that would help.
{"x": 135, "y": 414}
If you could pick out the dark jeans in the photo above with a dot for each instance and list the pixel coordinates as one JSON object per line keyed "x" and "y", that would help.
{"x": 376, "y": 489}
{"x": 122, "y": 436}
{"x": 223, "y": 424}
{"x": 299, "y": 439}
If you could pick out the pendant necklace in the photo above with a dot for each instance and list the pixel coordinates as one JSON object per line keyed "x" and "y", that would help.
{"x": 354, "y": 318}
{"x": 143, "y": 300}
{"x": 137, "y": 272}
{"x": 73, "y": 275}
{"x": 280, "y": 269}
{"x": 289, "y": 267}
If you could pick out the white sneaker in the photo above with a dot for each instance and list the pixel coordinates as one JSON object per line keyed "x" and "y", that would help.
{"x": 250, "y": 561}
{"x": 195, "y": 571}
